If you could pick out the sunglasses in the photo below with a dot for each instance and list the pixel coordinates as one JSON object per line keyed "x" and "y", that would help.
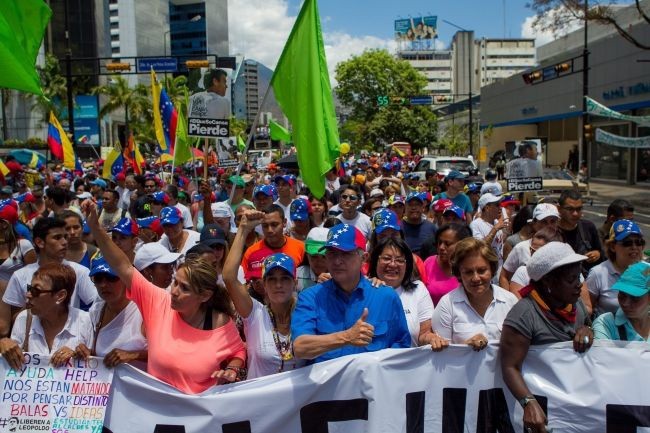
{"x": 97, "y": 279}
{"x": 36, "y": 292}
{"x": 350, "y": 197}
{"x": 627, "y": 243}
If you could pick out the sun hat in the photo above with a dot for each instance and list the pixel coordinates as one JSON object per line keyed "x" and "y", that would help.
{"x": 316, "y": 239}
{"x": 385, "y": 219}
{"x": 344, "y": 237}
{"x": 278, "y": 260}
{"x": 549, "y": 257}
{"x": 635, "y": 280}
{"x": 621, "y": 229}
{"x": 151, "y": 253}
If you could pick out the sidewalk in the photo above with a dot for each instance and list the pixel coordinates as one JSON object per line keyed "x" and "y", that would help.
{"x": 609, "y": 190}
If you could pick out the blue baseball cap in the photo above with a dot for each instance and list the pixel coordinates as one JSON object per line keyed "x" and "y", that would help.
{"x": 152, "y": 223}
{"x": 299, "y": 210}
{"x": 278, "y": 260}
{"x": 474, "y": 187}
{"x": 635, "y": 280}
{"x": 267, "y": 190}
{"x": 170, "y": 216}
{"x": 387, "y": 166}
{"x": 456, "y": 210}
{"x": 100, "y": 183}
{"x": 160, "y": 196}
{"x": 455, "y": 174}
{"x": 624, "y": 228}
{"x": 100, "y": 266}
{"x": 385, "y": 219}
{"x": 126, "y": 227}
{"x": 344, "y": 237}
{"x": 286, "y": 178}
{"x": 416, "y": 196}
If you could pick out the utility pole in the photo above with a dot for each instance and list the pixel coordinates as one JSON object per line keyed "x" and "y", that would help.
{"x": 585, "y": 90}
{"x": 68, "y": 74}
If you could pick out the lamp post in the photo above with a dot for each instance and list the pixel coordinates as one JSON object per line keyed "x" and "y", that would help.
{"x": 585, "y": 88}
{"x": 471, "y": 76}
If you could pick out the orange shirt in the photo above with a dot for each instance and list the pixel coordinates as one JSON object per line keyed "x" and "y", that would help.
{"x": 179, "y": 354}
{"x": 256, "y": 253}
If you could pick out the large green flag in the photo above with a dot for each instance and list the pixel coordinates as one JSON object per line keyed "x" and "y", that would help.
{"x": 302, "y": 88}
{"x": 278, "y": 132}
{"x": 182, "y": 150}
{"x": 22, "y": 25}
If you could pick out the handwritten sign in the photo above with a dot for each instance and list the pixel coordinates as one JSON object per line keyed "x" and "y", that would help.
{"x": 68, "y": 399}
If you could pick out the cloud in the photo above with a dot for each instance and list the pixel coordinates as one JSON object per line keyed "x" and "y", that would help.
{"x": 260, "y": 28}
{"x": 545, "y": 36}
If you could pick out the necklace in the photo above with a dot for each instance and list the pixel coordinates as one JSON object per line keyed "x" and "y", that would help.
{"x": 285, "y": 348}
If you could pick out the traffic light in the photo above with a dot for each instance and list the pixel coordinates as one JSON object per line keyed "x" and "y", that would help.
{"x": 531, "y": 77}
{"x": 442, "y": 99}
{"x": 118, "y": 67}
{"x": 562, "y": 67}
{"x": 587, "y": 131}
{"x": 382, "y": 101}
{"x": 196, "y": 64}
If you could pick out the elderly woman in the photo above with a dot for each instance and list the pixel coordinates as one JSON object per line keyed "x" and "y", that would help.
{"x": 550, "y": 311}
{"x": 624, "y": 248}
{"x": 116, "y": 320}
{"x": 48, "y": 325}
{"x": 631, "y": 322}
{"x": 438, "y": 268}
{"x": 267, "y": 327}
{"x": 193, "y": 341}
{"x": 392, "y": 262}
{"x": 473, "y": 313}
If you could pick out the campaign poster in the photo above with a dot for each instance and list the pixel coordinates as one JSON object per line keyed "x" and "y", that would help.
{"x": 210, "y": 93}
{"x": 417, "y": 33}
{"x": 227, "y": 152}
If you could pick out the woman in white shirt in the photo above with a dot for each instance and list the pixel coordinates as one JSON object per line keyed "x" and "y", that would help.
{"x": 49, "y": 325}
{"x": 267, "y": 327}
{"x": 392, "y": 262}
{"x": 473, "y": 313}
{"x": 117, "y": 322}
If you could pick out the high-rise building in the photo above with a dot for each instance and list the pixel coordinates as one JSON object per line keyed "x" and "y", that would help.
{"x": 198, "y": 27}
{"x": 248, "y": 93}
{"x": 502, "y": 58}
{"x": 434, "y": 65}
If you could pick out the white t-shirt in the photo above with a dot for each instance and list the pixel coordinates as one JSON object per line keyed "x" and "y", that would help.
{"x": 521, "y": 276}
{"x": 125, "y": 197}
{"x": 77, "y": 330}
{"x": 287, "y": 216}
{"x": 455, "y": 319}
{"x": 84, "y": 289}
{"x": 418, "y": 307}
{"x": 123, "y": 332}
{"x": 332, "y": 185}
{"x": 263, "y": 356}
{"x": 361, "y": 221}
{"x": 519, "y": 256}
{"x": 192, "y": 239}
{"x": 187, "y": 216}
{"x": 481, "y": 229}
{"x": 16, "y": 259}
{"x": 209, "y": 105}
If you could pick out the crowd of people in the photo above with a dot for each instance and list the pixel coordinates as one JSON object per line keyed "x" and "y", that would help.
{"x": 241, "y": 275}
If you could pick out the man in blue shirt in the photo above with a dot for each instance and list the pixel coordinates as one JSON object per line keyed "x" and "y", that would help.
{"x": 347, "y": 315}
{"x": 416, "y": 228}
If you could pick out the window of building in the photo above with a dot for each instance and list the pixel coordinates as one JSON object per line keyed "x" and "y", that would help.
{"x": 115, "y": 38}
{"x": 115, "y": 50}
{"x": 115, "y": 25}
{"x": 113, "y": 12}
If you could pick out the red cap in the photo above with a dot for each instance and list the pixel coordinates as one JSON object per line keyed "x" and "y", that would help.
{"x": 119, "y": 177}
{"x": 9, "y": 214}
{"x": 440, "y": 205}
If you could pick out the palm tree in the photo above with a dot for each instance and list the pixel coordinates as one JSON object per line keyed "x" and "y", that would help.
{"x": 121, "y": 95}
{"x": 54, "y": 88}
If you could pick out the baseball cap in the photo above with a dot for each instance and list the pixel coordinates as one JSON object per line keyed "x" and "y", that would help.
{"x": 100, "y": 183}
{"x": 416, "y": 196}
{"x": 456, "y": 210}
{"x": 8, "y": 213}
{"x": 344, "y": 237}
{"x": 385, "y": 219}
{"x": 152, "y": 223}
{"x": 455, "y": 174}
{"x": 221, "y": 209}
{"x": 238, "y": 181}
{"x": 394, "y": 199}
{"x": 151, "y": 253}
{"x": 160, "y": 197}
{"x": 212, "y": 234}
{"x": 316, "y": 239}
{"x": 84, "y": 195}
{"x": 440, "y": 205}
{"x": 376, "y": 192}
{"x": 551, "y": 256}
{"x": 635, "y": 280}
{"x": 299, "y": 210}
{"x": 624, "y": 228}
{"x": 286, "y": 178}
{"x": 492, "y": 187}
{"x": 278, "y": 260}
{"x": 488, "y": 198}
{"x": 100, "y": 266}
{"x": 267, "y": 190}
{"x": 387, "y": 166}
{"x": 474, "y": 187}
{"x": 509, "y": 200}
{"x": 170, "y": 215}
{"x": 27, "y": 197}
{"x": 126, "y": 227}
{"x": 119, "y": 177}
{"x": 545, "y": 210}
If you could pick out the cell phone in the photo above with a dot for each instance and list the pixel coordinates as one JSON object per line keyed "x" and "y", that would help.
{"x": 504, "y": 213}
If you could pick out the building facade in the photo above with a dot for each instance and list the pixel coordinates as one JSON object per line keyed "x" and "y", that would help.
{"x": 435, "y": 66}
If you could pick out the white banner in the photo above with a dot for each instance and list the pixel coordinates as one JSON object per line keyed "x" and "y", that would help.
{"x": 410, "y": 390}
{"x": 41, "y": 398}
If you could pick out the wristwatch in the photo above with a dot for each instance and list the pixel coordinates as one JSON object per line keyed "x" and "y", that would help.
{"x": 526, "y": 399}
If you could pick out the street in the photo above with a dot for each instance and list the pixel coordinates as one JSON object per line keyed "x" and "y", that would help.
{"x": 597, "y": 213}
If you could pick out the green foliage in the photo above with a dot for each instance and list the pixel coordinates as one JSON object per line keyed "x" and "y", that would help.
{"x": 455, "y": 139}
{"x": 134, "y": 100}
{"x": 54, "y": 88}
{"x": 374, "y": 74}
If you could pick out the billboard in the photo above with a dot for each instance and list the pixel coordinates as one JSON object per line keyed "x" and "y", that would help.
{"x": 86, "y": 120}
{"x": 415, "y": 34}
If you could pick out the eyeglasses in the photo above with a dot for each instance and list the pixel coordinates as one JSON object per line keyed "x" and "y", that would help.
{"x": 97, "y": 279}
{"x": 350, "y": 197}
{"x": 36, "y": 292}
{"x": 627, "y": 243}
{"x": 572, "y": 209}
{"x": 386, "y": 260}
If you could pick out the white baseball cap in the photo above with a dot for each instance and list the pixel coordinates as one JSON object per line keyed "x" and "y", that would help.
{"x": 488, "y": 198}
{"x": 151, "y": 253}
{"x": 544, "y": 210}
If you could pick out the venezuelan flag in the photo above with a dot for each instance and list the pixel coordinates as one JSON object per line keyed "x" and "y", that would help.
{"x": 165, "y": 116}
{"x": 59, "y": 143}
{"x": 133, "y": 155}
{"x": 4, "y": 169}
{"x": 113, "y": 164}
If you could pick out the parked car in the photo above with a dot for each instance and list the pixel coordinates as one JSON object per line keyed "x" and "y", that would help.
{"x": 444, "y": 164}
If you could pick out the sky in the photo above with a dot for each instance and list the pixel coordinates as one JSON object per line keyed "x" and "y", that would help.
{"x": 259, "y": 28}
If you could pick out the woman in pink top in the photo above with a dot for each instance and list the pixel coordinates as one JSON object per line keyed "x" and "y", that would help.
{"x": 438, "y": 268}
{"x": 193, "y": 342}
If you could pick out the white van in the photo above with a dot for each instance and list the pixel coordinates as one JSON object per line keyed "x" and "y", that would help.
{"x": 444, "y": 164}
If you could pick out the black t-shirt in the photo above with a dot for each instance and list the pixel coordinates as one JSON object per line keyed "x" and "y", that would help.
{"x": 584, "y": 238}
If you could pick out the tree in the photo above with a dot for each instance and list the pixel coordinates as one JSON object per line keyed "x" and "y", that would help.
{"x": 55, "y": 89}
{"x": 120, "y": 95}
{"x": 375, "y": 74}
{"x": 556, "y": 15}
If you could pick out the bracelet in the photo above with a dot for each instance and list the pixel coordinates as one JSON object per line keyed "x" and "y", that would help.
{"x": 233, "y": 368}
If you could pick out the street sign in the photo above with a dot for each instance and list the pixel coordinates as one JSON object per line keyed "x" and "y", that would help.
{"x": 421, "y": 100}
{"x": 160, "y": 64}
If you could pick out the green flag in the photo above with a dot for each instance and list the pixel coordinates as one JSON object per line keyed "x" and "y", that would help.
{"x": 22, "y": 25}
{"x": 278, "y": 132}
{"x": 302, "y": 88}
{"x": 241, "y": 144}
{"x": 182, "y": 150}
